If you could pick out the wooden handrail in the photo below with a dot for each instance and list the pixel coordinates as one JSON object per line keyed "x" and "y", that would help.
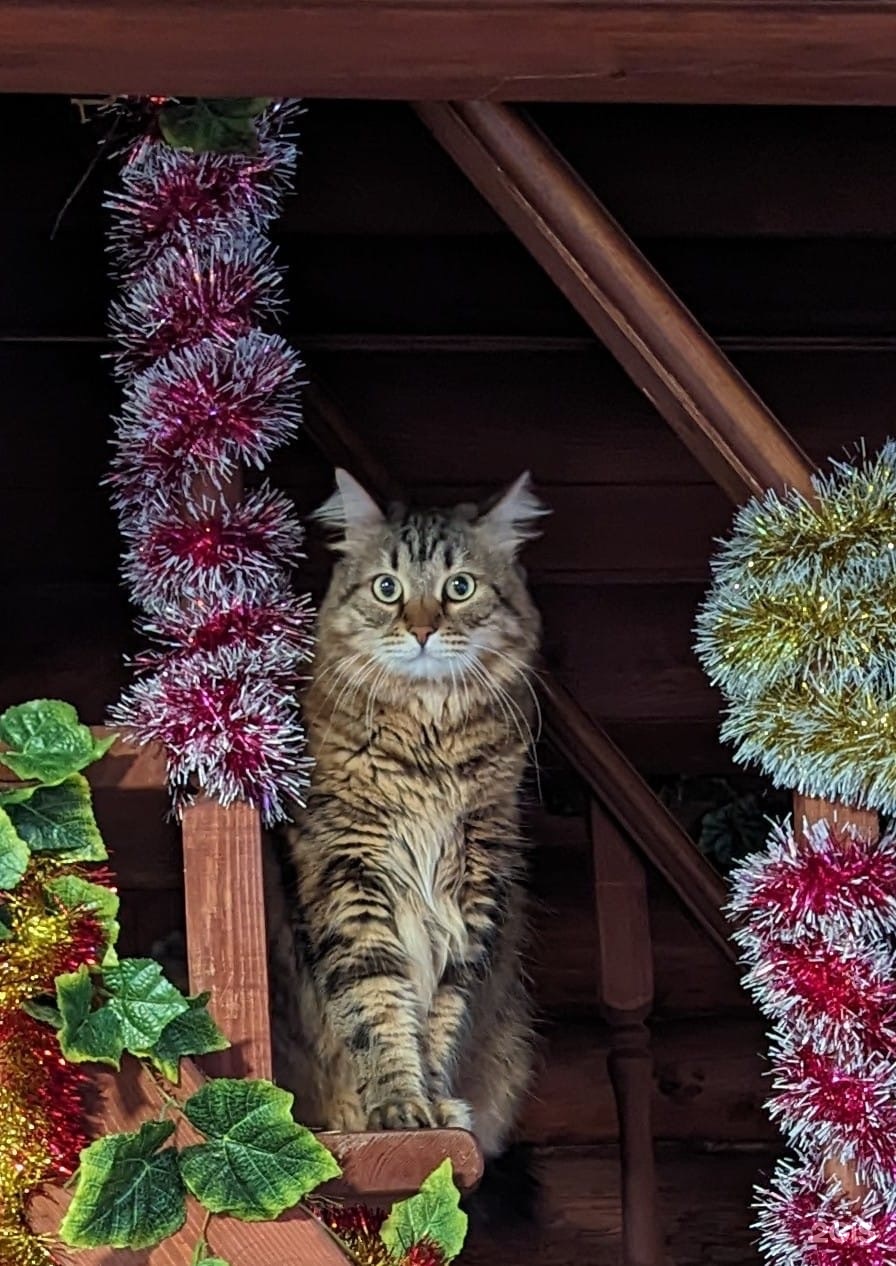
{"x": 643, "y": 323}
{"x": 642, "y": 815}
{"x": 620, "y": 295}
{"x": 377, "y": 1168}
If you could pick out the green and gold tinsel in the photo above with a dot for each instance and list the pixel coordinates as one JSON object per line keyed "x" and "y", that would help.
{"x": 799, "y": 632}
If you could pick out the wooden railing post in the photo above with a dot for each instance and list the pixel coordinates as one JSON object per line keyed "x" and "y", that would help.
{"x": 626, "y": 997}
{"x": 226, "y": 938}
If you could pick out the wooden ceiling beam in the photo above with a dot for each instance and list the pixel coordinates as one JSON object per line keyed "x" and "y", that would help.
{"x": 730, "y": 51}
{"x": 656, "y": 340}
{"x": 583, "y": 743}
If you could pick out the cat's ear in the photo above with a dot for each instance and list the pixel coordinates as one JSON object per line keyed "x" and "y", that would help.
{"x": 350, "y": 511}
{"x": 513, "y": 518}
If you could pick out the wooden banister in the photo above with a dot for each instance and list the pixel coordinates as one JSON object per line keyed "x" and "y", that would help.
{"x": 622, "y": 298}
{"x": 642, "y": 815}
{"x": 625, "y": 980}
{"x": 643, "y": 323}
{"x": 377, "y": 1168}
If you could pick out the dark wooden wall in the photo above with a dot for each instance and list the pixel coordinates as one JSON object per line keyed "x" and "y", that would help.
{"x": 458, "y": 362}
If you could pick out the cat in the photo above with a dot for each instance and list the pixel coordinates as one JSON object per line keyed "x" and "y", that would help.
{"x": 398, "y": 995}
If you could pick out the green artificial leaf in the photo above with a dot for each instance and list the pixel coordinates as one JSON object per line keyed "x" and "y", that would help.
{"x": 46, "y": 741}
{"x": 86, "y": 1035}
{"x": 434, "y": 1214}
{"x": 257, "y": 1162}
{"x": 71, "y": 892}
{"x": 14, "y": 854}
{"x": 144, "y": 1001}
{"x": 5, "y": 924}
{"x": 732, "y": 830}
{"x": 128, "y": 1194}
{"x": 15, "y": 795}
{"x": 59, "y": 820}
{"x": 45, "y": 1012}
{"x": 213, "y": 126}
{"x": 193, "y": 1032}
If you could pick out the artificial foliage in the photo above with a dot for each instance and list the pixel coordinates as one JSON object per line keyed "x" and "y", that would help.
{"x": 209, "y": 391}
{"x": 67, "y": 1001}
{"x": 798, "y": 632}
{"x": 57, "y": 915}
{"x": 814, "y": 918}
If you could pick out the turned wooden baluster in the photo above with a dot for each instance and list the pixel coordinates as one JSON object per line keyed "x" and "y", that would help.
{"x": 626, "y": 998}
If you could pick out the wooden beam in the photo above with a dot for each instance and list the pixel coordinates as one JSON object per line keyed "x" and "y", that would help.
{"x": 622, "y": 298}
{"x": 733, "y": 51}
{"x": 580, "y": 739}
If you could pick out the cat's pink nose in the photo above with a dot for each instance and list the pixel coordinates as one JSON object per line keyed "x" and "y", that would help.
{"x": 422, "y": 632}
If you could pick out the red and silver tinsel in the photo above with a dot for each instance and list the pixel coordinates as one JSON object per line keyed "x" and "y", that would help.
{"x": 209, "y": 390}
{"x": 816, "y": 920}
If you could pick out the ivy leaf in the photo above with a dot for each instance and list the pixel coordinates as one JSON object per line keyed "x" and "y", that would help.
{"x": 47, "y": 741}
{"x": 71, "y": 892}
{"x": 59, "y": 820}
{"x": 86, "y": 1035}
{"x": 143, "y": 1000}
{"x": 15, "y": 795}
{"x": 45, "y": 1012}
{"x": 434, "y": 1214}
{"x": 129, "y": 1194}
{"x": 220, "y": 126}
{"x": 193, "y": 1032}
{"x": 14, "y": 854}
{"x": 257, "y": 1162}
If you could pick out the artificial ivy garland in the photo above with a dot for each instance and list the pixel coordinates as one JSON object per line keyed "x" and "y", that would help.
{"x": 59, "y": 971}
{"x": 798, "y": 631}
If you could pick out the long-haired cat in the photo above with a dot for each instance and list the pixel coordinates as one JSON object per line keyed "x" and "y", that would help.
{"x": 397, "y": 985}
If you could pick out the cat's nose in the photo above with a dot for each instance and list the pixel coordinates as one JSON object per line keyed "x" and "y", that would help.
{"x": 422, "y": 632}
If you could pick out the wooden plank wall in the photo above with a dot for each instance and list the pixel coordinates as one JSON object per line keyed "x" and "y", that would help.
{"x": 460, "y": 365}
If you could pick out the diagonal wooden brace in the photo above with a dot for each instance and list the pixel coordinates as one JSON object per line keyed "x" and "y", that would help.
{"x": 620, "y": 295}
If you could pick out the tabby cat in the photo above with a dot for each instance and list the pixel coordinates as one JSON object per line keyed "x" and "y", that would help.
{"x": 397, "y": 986}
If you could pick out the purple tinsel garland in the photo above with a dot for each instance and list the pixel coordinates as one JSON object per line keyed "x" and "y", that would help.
{"x": 208, "y": 391}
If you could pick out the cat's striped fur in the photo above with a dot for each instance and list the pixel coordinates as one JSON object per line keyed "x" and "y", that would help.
{"x": 398, "y": 995}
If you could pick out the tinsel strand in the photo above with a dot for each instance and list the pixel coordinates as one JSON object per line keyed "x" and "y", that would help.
{"x": 814, "y": 917}
{"x": 208, "y": 391}
{"x": 41, "y": 1108}
{"x": 797, "y": 631}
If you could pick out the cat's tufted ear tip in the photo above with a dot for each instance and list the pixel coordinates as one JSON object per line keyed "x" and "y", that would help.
{"x": 350, "y": 509}
{"x": 514, "y": 516}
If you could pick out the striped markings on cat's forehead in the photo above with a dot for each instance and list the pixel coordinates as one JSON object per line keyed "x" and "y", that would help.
{"x": 426, "y": 535}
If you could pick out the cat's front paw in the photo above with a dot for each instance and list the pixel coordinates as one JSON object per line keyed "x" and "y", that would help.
{"x": 453, "y": 1114}
{"x": 401, "y": 1114}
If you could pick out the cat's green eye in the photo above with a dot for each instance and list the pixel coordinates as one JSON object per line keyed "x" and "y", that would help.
{"x": 460, "y": 587}
{"x": 386, "y": 588}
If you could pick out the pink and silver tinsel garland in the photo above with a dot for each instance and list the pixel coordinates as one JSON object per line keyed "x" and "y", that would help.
{"x": 209, "y": 391}
{"x": 816, "y": 918}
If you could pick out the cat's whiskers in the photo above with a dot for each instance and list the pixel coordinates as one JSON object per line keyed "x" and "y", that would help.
{"x": 523, "y": 671}
{"x": 356, "y": 681}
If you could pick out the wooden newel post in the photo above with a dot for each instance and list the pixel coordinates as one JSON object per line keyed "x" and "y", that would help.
{"x": 224, "y": 895}
{"x": 626, "y": 999}
{"x": 226, "y": 938}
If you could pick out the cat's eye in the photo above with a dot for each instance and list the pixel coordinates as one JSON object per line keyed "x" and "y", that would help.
{"x": 386, "y": 588}
{"x": 460, "y": 587}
